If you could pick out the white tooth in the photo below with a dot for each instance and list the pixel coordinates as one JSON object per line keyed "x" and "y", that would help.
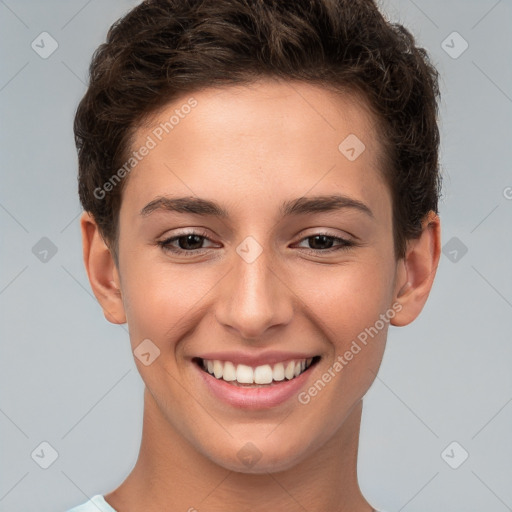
{"x": 217, "y": 369}
{"x": 209, "y": 365}
{"x": 297, "y": 369}
{"x": 302, "y": 365}
{"x": 308, "y": 362}
{"x": 290, "y": 370}
{"x": 278, "y": 372}
{"x": 263, "y": 374}
{"x": 229, "y": 371}
{"x": 244, "y": 374}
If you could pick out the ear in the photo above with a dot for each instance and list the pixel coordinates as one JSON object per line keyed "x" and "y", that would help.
{"x": 416, "y": 271}
{"x": 102, "y": 271}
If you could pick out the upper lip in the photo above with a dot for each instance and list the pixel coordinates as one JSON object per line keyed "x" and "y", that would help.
{"x": 272, "y": 357}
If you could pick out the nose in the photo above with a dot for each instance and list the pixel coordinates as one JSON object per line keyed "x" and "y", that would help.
{"x": 254, "y": 297}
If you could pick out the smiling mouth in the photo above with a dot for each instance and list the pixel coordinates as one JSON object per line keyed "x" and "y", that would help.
{"x": 242, "y": 375}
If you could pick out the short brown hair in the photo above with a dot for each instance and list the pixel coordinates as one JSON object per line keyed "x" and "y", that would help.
{"x": 163, "y": 49}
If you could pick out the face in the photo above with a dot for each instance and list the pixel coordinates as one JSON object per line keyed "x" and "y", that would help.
{"x": 250, "y": 237}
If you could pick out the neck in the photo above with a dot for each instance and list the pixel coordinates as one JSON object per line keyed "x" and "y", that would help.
{"x": 177, "y": 477}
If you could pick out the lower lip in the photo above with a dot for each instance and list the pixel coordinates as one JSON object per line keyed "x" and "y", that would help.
{"x": 254, "y": 398}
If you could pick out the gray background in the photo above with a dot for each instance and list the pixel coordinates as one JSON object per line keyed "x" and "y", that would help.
{"x": 68, "y": 376}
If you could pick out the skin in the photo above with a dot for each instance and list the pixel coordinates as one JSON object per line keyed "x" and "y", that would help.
{"x": 250, "y": 148}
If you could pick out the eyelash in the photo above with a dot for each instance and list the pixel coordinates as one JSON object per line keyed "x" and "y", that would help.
{"x": 165, "y": 244}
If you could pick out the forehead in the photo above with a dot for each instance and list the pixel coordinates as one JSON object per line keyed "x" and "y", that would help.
{"x": 287, "y": 107}
{"x": 263, "y": 139}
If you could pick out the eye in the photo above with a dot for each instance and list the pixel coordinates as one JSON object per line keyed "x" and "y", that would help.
{"x": 188, "y": 243}
{"x": 322, "y": 243}
{"x": 191, "y": 243}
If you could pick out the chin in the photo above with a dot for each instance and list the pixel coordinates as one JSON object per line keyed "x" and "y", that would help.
{"x": 259, "y": 456}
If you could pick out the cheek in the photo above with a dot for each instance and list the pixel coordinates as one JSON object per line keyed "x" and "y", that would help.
{"x": 161, "y": 300}
{"x": 346, "y": 300}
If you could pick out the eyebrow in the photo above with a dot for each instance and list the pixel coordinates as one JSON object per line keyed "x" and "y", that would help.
{"x": 300, "y": 206}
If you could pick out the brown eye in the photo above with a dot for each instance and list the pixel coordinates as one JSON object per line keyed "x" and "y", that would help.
{"x": 185, "y": 243}
{"x": 322, "y": 243}
{"x": 190, "y": 242}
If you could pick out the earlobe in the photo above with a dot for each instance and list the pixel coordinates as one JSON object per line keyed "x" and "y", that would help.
{"x": 417, "y": 272}
{"x": 102, "y": 271}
